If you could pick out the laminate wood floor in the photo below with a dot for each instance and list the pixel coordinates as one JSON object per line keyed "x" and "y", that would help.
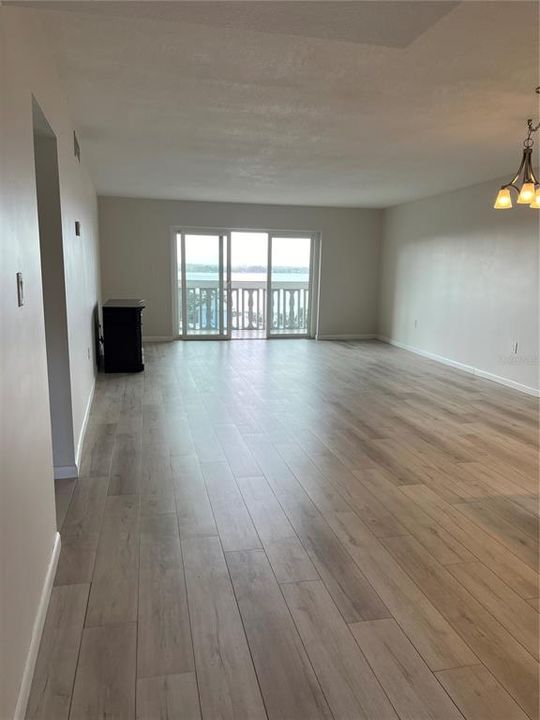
{"x": 297, "y": 530}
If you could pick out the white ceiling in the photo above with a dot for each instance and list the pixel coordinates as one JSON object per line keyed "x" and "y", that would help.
{"x": 324, "y": 103}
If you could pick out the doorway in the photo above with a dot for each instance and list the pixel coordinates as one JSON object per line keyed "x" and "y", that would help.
{"x": 54, "y": 295}
{"x": 244, "y": 284}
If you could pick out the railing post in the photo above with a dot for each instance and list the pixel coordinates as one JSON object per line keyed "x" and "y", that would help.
{"x": 291, "y": 308}
{"x": 250, "y": 309}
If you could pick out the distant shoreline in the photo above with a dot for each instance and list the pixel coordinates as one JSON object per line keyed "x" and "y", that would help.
{"x": 254, "y": 269}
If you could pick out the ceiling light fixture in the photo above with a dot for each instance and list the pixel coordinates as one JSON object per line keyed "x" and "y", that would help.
{"x": 524, "y": 182}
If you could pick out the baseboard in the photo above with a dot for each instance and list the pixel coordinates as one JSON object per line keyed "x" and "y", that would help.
{"x": 82, "y": 433}
{"x": 368, "y": 336}
{"x": 37, "y": 630}
{"x": 506, "y": 381}
{"x": 66, "y": 471}
{"x": 464, "y": 367}
{"x": 170, "y": 338}
{"x": 431, "y": 356}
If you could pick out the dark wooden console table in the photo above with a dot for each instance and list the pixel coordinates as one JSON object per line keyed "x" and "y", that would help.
{"x": 122, "y": 335}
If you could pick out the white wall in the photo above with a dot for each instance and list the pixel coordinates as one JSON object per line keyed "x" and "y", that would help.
{"x": 135, "y": 254}
{"x": 27, "y": 514}
{"x": 467, "y": 275}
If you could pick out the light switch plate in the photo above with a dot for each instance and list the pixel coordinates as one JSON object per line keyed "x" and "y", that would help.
{"x": 20, "y": 289}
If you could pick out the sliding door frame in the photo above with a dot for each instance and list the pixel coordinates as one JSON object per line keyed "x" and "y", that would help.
{"x": 224, "y": 283}
{"x": 178, "y": 232}
{"x": 269, "y": 295}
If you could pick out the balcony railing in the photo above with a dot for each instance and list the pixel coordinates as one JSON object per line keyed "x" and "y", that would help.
{"x": 248, "y": 307}
{"x": 289, "y": 312}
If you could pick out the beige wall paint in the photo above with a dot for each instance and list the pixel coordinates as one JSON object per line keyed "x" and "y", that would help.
{"x": 135, "y": 254}
{"x": 468, "y": 276}
{"x": 27, "y": 514}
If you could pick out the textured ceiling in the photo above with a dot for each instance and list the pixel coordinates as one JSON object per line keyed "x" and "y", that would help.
{"x": 391, "y": 23}
{"x": 331, "y": 103}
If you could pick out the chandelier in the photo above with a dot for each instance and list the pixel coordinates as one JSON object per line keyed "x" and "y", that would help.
{"x": 524, "y": 182}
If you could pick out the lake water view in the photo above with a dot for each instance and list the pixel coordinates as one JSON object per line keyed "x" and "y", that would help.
{"x": 299, "y": 275}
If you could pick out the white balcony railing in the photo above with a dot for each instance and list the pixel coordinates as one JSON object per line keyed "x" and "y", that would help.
{"x": 289, "y": 312}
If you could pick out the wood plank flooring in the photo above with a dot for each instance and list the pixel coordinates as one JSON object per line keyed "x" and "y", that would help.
{"x": 297, "y": 530}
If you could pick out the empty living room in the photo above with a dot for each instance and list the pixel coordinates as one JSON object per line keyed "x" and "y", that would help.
{"x": 269, "y": 359}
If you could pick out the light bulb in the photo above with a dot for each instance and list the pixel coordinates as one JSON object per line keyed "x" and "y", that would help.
{"x": 526, "y": 196}
{"x": 504, "y": 200}
{"x": 536, "y": 201}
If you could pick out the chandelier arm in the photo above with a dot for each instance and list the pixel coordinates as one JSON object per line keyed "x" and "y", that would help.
{"x": 514, "y": 187}
{"x": 528, "y": 172}
{"x": 518, "y": 173}
{"x": 529, "y": 175}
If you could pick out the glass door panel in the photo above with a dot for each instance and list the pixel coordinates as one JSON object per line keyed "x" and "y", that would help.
{"x": 249, "y": 258}
{"x": 204, "y": 282}
{"x": 289, "y": 285}
{"x": 178, "y": 284}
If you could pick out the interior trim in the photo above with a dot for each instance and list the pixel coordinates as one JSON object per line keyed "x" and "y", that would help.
{"x": 82, "y": 432}
{"x": 37, "y": 630}
{"x": 466, "y": 368}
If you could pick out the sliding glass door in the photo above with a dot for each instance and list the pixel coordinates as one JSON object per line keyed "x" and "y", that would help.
{"x": 204, "y": 275}
{"x": 271, "y": 293}
{"x": 289, "y": 285}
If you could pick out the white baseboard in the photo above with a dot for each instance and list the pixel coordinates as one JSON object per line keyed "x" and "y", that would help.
{"x": 506, "y": 381}
{"x": 37, "y": 631}
{"x": 170, "y": 338}
{"x": 368, "y": 336}
{"x": 83, "y": 430}
{"x": 464, "y": 367}
{"x": 63, "y": 472}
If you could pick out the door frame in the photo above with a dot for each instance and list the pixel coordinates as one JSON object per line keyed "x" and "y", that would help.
{"x": 52, "y": 276}
{"x": 314, "y": 282}
{"x": 224, "y": 283}
{"x": 312, "y": 244}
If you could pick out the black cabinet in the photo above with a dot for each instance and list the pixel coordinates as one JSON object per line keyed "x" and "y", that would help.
{"x": 122, "y": 335}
